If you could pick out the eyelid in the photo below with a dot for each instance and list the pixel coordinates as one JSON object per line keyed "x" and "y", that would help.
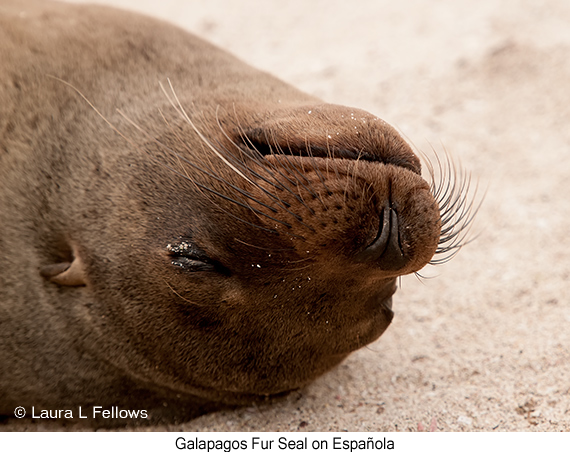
{"x": 190, "y": 257}
{"x": 187, "y": 249}
{"x": 192, "y": 265}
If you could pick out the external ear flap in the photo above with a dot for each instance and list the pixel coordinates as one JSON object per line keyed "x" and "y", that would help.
{"x": 65, "y": 273}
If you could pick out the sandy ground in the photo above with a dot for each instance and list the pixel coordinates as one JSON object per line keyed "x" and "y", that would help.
{"x": 485, "y": 345}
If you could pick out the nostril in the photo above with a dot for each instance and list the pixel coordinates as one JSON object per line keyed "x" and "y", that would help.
{"x": 386, "y": 249}
{"x": 393, "y": 257}
{"x": 377, "y": 248}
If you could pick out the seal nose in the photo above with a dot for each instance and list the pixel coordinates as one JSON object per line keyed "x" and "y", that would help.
{"x": 386, "y": 249}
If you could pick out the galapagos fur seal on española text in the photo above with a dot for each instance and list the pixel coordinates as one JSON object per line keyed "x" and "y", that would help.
{"x": 180, "y": 231}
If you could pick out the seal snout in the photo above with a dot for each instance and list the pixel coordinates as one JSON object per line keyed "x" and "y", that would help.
{"x": 386, "y": 249}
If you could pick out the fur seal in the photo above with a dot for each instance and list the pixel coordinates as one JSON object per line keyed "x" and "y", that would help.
{"x": 180, "y": 231}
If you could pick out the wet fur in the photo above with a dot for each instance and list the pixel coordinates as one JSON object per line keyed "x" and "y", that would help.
{"x": 128, "y": 145}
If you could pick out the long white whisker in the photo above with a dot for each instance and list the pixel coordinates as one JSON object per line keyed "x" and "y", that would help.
{"x": 180, "y": 109}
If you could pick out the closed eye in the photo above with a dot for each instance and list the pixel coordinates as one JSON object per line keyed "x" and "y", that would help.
{"x": 189, "y": 257}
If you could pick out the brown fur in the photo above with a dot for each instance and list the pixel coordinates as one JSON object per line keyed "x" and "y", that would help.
{"x": 108, "y": 184}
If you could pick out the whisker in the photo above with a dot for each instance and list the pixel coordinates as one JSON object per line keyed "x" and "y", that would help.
{"x": 177, "y": 294}
{"x": 270, "y": 171}
{"x": 215, "y": 177}
{"x": 297, "y": 269}
{"x": 282, "y": 204}
{"x": 178, "y": 107}
{"x": 92, "y": 106}
{"x": 273, "y": 171}
{"x": 294, "y": 172}
{"x": 227, "y": 198}
{"x": 457, "y": 203}
{"x": 317, "y": 171}
{"x": 272, "y": 250}
{"x": 305, "y": 259}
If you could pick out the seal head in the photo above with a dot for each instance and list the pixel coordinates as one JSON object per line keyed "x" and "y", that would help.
{"x": 281, "y": 253}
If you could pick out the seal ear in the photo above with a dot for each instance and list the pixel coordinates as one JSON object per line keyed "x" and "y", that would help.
{"x": 65, "y": 273}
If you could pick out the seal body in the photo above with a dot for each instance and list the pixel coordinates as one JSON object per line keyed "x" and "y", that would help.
{"x": 179, "y": 231}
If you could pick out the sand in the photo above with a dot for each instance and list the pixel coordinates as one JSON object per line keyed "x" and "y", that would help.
{"x": 484, "y": 345}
